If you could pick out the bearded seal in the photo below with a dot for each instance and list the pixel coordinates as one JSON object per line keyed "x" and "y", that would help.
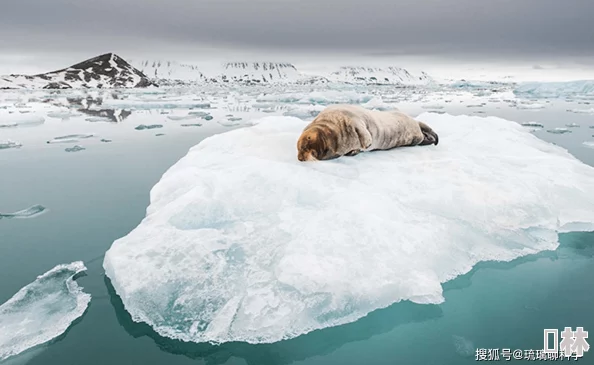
{"x": 345, "y": 130}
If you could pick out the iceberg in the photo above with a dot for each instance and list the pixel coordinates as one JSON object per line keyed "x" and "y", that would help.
{"x": 555, "y": 90}
{"x": 242, "y": 242}
{"x": 42, "y": 310}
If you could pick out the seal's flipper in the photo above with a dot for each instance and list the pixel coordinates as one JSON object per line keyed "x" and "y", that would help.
{"x": 429, "y": 136}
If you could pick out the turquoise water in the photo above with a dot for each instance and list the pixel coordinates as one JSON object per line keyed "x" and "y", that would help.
{"x": 99, "y": 195}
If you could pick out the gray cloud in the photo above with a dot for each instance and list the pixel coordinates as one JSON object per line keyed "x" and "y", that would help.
{"x": 370, "y": 26}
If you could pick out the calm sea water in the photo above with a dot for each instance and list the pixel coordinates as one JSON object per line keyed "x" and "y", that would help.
{"x": 98, "y": 195}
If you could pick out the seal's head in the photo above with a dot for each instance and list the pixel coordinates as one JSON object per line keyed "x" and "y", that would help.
{"x": 315, "y": 143}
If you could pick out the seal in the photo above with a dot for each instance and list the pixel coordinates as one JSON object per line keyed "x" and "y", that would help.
{"x": 346, "y": 130}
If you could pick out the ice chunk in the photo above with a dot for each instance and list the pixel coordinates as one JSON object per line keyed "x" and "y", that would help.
{"x": 572, "y": 125}
{"x": 98, "y": 120}
{"x": 151, "y": 126}
{"x": 533, "y": 125}
{"x": 582, "y": 111}
{"x": 531, "y": 106}
{"x": 76, "y": 148}
{"x": 558, "y": 130}
{"x": 18, "y": 120}
{"x": 104, "y": 140}
{"x": 30, "y": 212}
{"x": 181, "y": 117}
{"x": 62, "y": 115}
{"x": 192, "y": 125}
{"x": 588, "y": 144}
{"x": 242, "y": 242}
{"x": 70, "y": 138}
{"x": 551, "y": 90}
{"x": 9, "y": 144}
{"x": 42, "y": 310}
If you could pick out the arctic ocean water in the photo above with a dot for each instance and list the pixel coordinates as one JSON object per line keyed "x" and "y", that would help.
{"x": 98, "y": 195}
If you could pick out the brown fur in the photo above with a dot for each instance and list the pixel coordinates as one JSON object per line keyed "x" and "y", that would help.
{"x": 346, "y": 130}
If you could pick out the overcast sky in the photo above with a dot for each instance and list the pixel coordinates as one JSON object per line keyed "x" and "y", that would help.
{"x": 476, "y": 28}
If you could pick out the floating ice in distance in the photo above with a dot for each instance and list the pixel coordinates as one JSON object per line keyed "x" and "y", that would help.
{"x": 198, "y": 114}
{"x": 181, "y": 117}
{"x": 157, "y": 104}
{"x": 76, "y": 148}
{"x": 159, "y": 134}
{"x": 242, "y": 242}
{"x": 70, "y": 138}
{"x": 558, "y": 130}
{"x": 552, "y": 90}
{"x": 589, "y": 144}
{"x": 42, "y": 310}
{"x": 572, "y": 125}
{"x": 104, "y": 140}
{"x": 192, "y": 125}
{"x": 432, "y": 106}
{"x": 62, "y": 115}
{"x": 30, "y": 212}
{"x": 582, "y": 111}
{"x": 531, "y": 106}
{"x": 20, "y": 120}
{"x": 533, "y": 124}
{"x": 143, "y": 127}
{"x": 4, "y": 145}
{"x": 98, "y": 120}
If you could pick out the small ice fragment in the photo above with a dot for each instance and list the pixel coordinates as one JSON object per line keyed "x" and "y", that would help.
{"x": 105, "y": 140}
{"x": 181, "y": 117}
{"x": 31, "y": 212}
{"x": 572, "y": 125}
{"x": 207, "y": 117}
{"x": 151, "y": 126}
{"x": 75, "y": 149}
{"x": 198, "y": 114}
{"x": 42, "y": 310}
{"x": 70, "y": 138}
{"x": 559, "y": 130}
{"x": 192, "y": 125}
{"x": 589, "y": 144}
{"x": 9, "y": 144}
{"x": 159, "y": 134}
{"x": 533, "y": 124}
{"x": 98, "y": 119}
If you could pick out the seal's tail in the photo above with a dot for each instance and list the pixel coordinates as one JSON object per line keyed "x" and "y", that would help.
{"x": 430, "y": 136}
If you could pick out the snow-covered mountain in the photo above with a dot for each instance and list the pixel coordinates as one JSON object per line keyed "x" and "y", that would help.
{"x": 378, "y": 75}
{"x": 104, "y": 71}
{"x": 256, "y": 73}
{"x": 172, "y": 71}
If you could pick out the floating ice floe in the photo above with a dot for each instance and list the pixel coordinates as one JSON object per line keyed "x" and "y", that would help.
{"x": 156, "y": 104}
{"x": 572, "y": 125}
{"x": 243, "y": 242}
{"x": 70, "y": 138}
{"x": 558, "y": 130}
{"x": 62, "y": 115}
{"x": 581, "y": 111}
{"x": 530, "y": 106}
{"x": 99, "y": 120}
{"x": 20, "y": 120}
{"x": 30, "y": 212}
{"x": 533, "y": 124}
{"x": 42, "y": 310}
{"x": 4, "y": 145}
{"x": 143, "y": 127}
{"x": 76, "y": 148}
{"x": 192, "y": 125}
{"x": 552, "y": 90}
{"x": 589, "y": 144}
{"x": 182, "y": 117}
